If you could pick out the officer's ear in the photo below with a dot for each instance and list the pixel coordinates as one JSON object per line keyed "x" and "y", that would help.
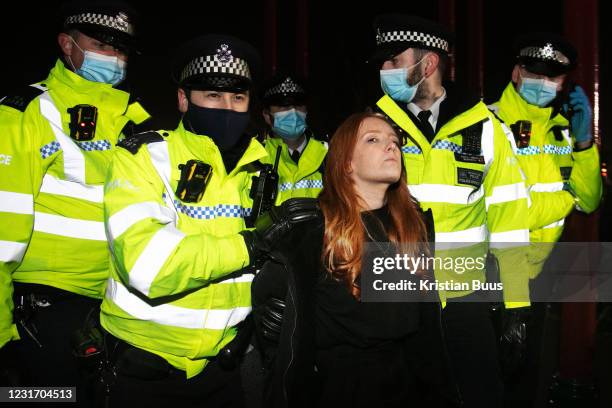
{"x": 267, "y": 116}
{"x": 183, "y": 100}
{"x": 516, "y": 74}
{"x": 66, "y": 43}
{"x": 431, "y": 64}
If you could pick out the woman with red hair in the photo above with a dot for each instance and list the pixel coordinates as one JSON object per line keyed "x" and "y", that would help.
{"x": 323, "y": 345}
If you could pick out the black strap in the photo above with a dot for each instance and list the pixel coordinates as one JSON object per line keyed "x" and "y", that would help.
{"x": 133, "y": 143}
{"x": 558, "y": 132}
{"x": 21, "y": 97}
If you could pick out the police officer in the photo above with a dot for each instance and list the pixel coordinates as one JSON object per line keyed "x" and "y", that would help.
{"x": 59, "y": 135}
{"x": 552, "y": 135}
{"x": 556, "y": 150}
{"x": 175, "y": 204}
{"x": 461, "y": 166}
{"x": 302, "y": 156}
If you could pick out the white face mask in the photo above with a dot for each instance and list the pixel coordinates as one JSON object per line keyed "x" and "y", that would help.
{"x": 394, "y": 82}
{"x": 100, "y": 68}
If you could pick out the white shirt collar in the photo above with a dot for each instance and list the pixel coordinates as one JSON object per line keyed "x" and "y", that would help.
{"x": 300, "y": 148}
{"x": 434, "y": 109}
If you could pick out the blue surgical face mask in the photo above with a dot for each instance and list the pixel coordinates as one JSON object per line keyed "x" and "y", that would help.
{"x": 101, "y": 68}
{"x": 289, "y": 124}
{"x": 539, "y": 92}
{"x": 394, "y": 82}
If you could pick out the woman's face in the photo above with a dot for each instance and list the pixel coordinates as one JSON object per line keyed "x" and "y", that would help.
{"x": 377, "y": 155}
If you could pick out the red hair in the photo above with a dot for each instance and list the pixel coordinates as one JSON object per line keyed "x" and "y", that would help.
{"x": 344, "y": 232}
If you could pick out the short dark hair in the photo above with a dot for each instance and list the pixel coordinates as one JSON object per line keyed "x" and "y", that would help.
{"x": 419, "y": 53}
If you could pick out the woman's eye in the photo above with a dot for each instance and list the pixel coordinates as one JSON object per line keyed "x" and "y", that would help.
{"x": 372, "y": 140}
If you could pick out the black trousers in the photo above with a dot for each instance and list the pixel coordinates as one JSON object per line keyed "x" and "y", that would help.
{"x": 53, "y": 322}
{"x": 147, "y": 380}
{"x": 472, "y": 348}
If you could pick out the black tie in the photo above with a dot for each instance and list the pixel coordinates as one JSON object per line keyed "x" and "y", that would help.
{"x": 295, "y": 156}
{"x": 425, "y": 125}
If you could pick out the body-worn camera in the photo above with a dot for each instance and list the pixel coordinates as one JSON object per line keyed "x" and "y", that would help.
{"x": 522, "y": 133}
{"x": 83, "y": 122}
{"x": 195, "y": 175}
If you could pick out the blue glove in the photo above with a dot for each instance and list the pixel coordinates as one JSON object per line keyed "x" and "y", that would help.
{"x": 583, "y": 114}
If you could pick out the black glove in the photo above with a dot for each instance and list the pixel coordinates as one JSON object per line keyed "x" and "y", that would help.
{"x": 272, "y": 226}
{"x": 269, "y": 319}
{"x": 513, "y": 340}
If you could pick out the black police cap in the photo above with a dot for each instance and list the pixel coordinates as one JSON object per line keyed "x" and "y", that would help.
{"x": 284, "y": 90}
{"x": 397, "y": 32}
{"x": 109, "y": 21}
{"x": 545, "y": 54}
{"x": 216, "y": 62}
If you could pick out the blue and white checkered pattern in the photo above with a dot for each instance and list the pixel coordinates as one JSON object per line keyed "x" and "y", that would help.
{"x": 50, "y": 148}
{"x": 411, "y": 150}
{"x": 218, "y": 211}
{"x": 558, "y": 150}
{"x": 301, "y": 184}
{"x": 446, "y": 145}
{"x": 97, "y": 145}
{"x": 528, "y": 151}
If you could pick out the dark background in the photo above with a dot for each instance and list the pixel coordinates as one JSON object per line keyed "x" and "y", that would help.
{"x": 336, "y": 37}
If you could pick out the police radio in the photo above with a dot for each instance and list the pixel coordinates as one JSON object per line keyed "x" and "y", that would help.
{"x": 522, "y": 133}
{"x": 264, "y": 190}
{"x": 195, "y": 176}
{"x": 83, "y": 122}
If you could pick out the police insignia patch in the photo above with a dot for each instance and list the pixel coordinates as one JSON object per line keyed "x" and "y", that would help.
{"x": 224, "y": 54}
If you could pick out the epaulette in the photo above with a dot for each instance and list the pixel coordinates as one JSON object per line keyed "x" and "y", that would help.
{"x": 133, "y": 143}
{"x": 21, "y": 97}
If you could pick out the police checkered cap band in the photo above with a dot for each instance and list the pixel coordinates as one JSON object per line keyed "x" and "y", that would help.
{"x": 546, "y": 52}
{"x": 286, "y": 87}
{"x": 118, "y": 22}
{"x": 212, "y": 64}
{"x": 427, "y": 40}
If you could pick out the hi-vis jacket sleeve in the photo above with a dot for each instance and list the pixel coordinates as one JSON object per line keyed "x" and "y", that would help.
{"x": 507, "y": 218}
{"x": 585, "y": 179}
{"x": 151, "y": 254}
{"x": 21, "y": 171}
{"x": 549, "y": 202}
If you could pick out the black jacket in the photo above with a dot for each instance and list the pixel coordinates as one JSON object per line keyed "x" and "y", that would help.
{"x": 291, "y": 380}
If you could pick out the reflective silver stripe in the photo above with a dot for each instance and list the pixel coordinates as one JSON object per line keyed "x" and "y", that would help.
{"x": 119, "y": 222}
{"x": 568, "y": 138}
{"x": 52, "y": 185}
{"x": 69, "y": 227}
{"x": 504, "y": 194}
{"x": 161, "y": 161}
{"x": 521, "y": 235}
{"x": 488, "y": 144}
{"x": 556, "y": 224}
{"x": 443, "y": 193}
{"x": 11, "y": 251}
{"x": 470, "y": 235}
{"x": 74, "y": 162}
{"x": 16, "y": 203}
{"x": 153, "y": 257}
{"x": 246, "y": 278}
{"x": 546, "y": 187}
{"x": 170, "y": 315}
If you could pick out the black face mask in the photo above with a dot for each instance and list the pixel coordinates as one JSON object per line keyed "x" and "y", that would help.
{"x": 224, "y": 126}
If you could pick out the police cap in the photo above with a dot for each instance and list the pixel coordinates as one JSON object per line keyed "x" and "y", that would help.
{"x": 109, "y": 21}
{"x": 284, "y": 90}
{"x": 545, "y": 54}
{"x": 397, "y": 32}
{"x": 216, "y": 62}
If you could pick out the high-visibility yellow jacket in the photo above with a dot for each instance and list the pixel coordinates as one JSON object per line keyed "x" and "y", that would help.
{"x": 51, "y": 186}
{"x": 304, "y": 179}
{"x": 479, "y": 202}
{"x": 548, "y": 162}
{"x": 170, "y": 290}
